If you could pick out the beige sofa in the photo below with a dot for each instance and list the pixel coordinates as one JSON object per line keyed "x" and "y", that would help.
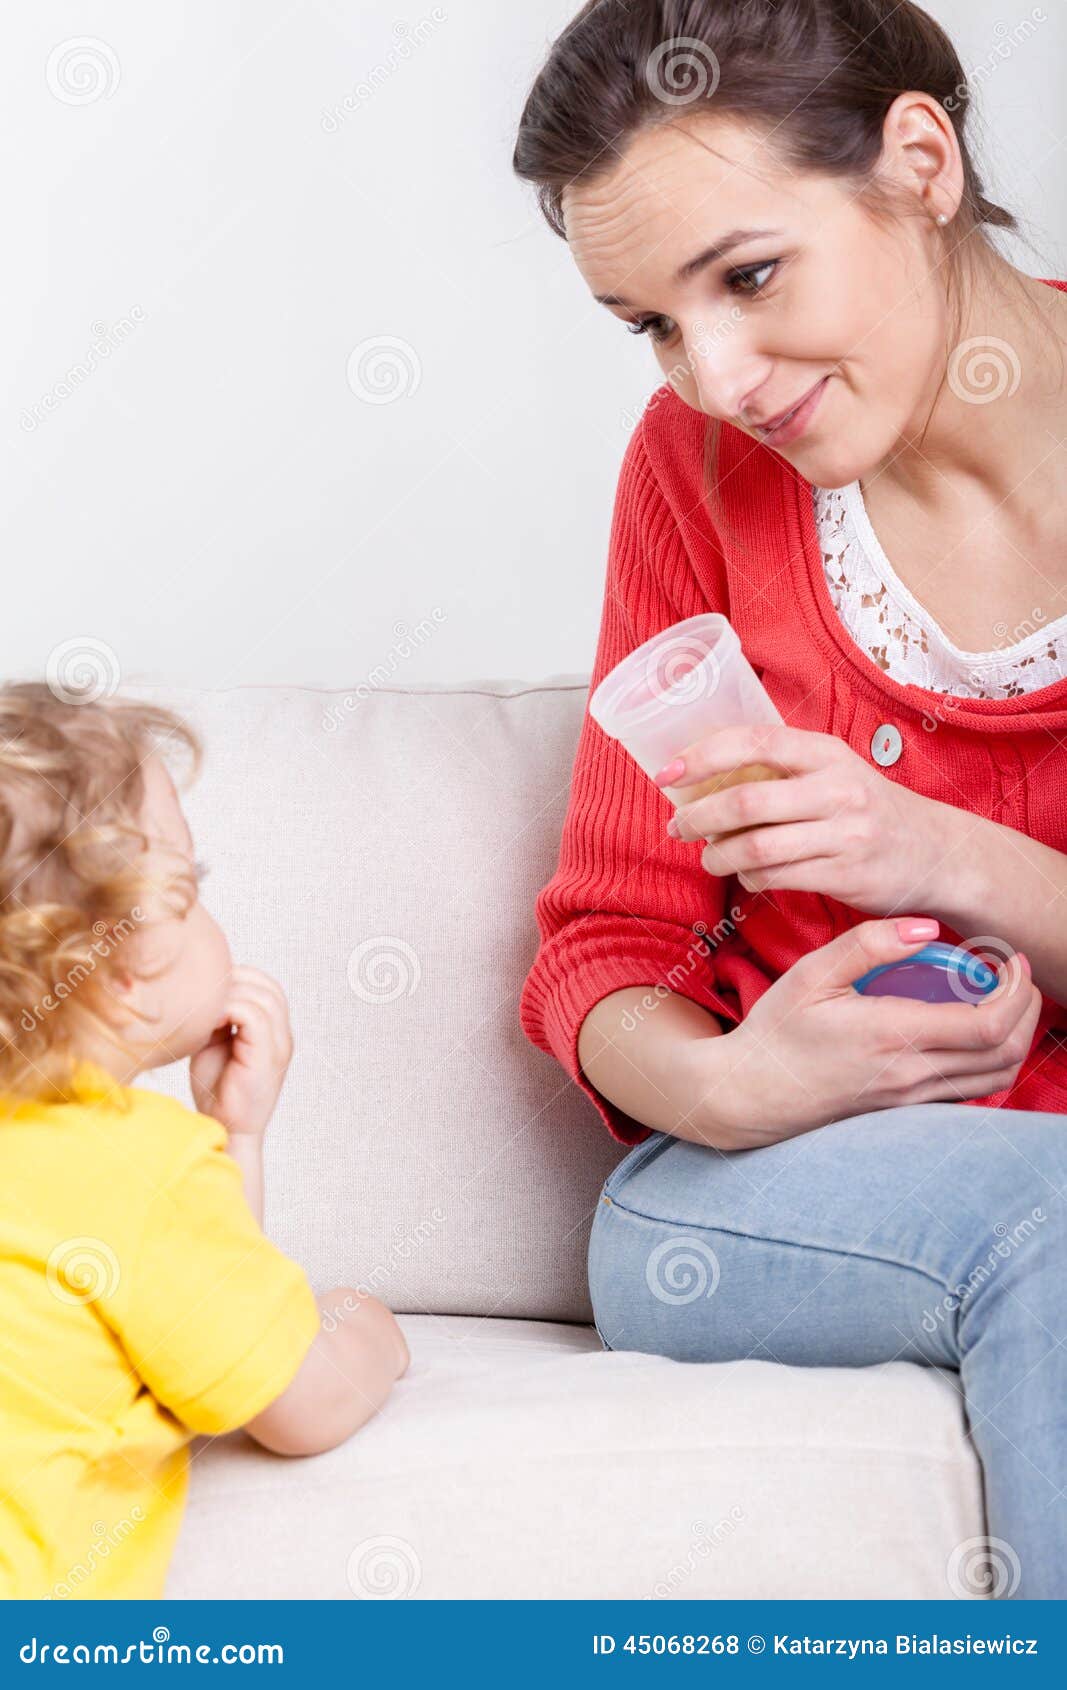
{"x": 379, "y": 852}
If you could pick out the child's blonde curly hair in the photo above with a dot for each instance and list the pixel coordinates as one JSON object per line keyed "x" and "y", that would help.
{"x": 73, "y": 878}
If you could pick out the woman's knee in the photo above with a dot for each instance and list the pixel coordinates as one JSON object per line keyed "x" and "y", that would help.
{"x": 652, "y": 1283}
{"x": 693, "y": 1252}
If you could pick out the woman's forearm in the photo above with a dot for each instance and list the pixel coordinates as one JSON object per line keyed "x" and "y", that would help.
{"x": 657, "y": 1063}
{"x": 997, "y": 883}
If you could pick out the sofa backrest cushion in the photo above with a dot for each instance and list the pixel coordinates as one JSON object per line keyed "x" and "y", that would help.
{"x": 379, "y": 852}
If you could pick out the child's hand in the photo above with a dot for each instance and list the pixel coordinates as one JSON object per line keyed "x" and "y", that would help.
{"x": 237, "y": 1076}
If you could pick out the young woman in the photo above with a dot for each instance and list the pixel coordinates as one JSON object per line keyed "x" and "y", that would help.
{"x": 858, "y": 457}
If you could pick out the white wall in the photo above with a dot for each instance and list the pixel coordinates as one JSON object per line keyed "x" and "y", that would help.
{"x": 209, "y": 500}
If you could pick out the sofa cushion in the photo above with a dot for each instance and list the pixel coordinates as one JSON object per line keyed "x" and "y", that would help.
{"x": 518, "y": 1459}
{"x": 380, "y": 852}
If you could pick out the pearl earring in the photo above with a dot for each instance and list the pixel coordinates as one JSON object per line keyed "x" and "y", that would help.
{"x": 941, "y": 218}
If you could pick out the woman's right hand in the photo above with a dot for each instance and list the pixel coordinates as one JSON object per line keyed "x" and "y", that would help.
{"x": 812, "y": 1049}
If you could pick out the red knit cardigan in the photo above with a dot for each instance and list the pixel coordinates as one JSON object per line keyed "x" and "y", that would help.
{"x": 628, "y": 905}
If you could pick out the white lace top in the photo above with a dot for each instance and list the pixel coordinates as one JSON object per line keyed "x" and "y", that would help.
{"x": 892, "y": 627}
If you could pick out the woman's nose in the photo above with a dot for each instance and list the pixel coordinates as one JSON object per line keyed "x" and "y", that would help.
{"x": 725, "y": 375}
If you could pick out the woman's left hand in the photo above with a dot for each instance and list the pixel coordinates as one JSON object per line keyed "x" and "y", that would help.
{"x": 837, "y": 826}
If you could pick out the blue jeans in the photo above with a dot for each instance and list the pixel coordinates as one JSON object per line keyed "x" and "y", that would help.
{"x": 935, "y": 1234}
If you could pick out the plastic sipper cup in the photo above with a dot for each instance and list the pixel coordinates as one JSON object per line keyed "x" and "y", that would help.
{"x": 682, "y": 684}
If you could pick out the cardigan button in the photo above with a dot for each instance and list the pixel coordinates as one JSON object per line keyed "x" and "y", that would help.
{"x": 886, "y": 745}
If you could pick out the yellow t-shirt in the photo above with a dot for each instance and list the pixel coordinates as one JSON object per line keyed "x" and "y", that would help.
{"x": 140, "y": 1303}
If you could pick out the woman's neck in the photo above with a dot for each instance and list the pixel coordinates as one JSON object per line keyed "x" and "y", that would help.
{"x": 1012, "y": 342}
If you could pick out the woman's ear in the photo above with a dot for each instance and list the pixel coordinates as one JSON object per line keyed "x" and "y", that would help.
{"x": 920, "y": 153}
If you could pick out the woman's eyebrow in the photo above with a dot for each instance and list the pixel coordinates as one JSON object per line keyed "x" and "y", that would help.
{"x": 718, "y": 249}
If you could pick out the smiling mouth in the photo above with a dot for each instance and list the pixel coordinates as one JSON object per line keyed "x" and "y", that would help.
{"x": 780, "y": 423}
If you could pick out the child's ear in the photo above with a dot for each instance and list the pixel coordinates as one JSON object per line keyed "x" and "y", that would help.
{"x": 114, "y": 996}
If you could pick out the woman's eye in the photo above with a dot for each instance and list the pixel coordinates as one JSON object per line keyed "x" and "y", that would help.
{"x": 654, "y": 327}
{"x": 748, "y": 281}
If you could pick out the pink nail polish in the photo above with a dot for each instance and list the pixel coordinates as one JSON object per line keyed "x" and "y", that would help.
{"x": 671, "y": 773}
{"x": 913, "y": 928}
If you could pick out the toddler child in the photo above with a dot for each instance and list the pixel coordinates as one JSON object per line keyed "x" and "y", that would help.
{"x": 140, "y": 1302}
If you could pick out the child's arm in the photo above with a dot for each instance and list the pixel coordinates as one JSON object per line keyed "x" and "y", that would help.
{"x": 247, "y": 1151}
{"x": 359, "y": 1350}
{"x": 345, "y": 1377}
{"x": 237, "y": 1076}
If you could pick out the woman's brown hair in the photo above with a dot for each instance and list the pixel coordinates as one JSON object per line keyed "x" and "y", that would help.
{"x": 819, "y": 75}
